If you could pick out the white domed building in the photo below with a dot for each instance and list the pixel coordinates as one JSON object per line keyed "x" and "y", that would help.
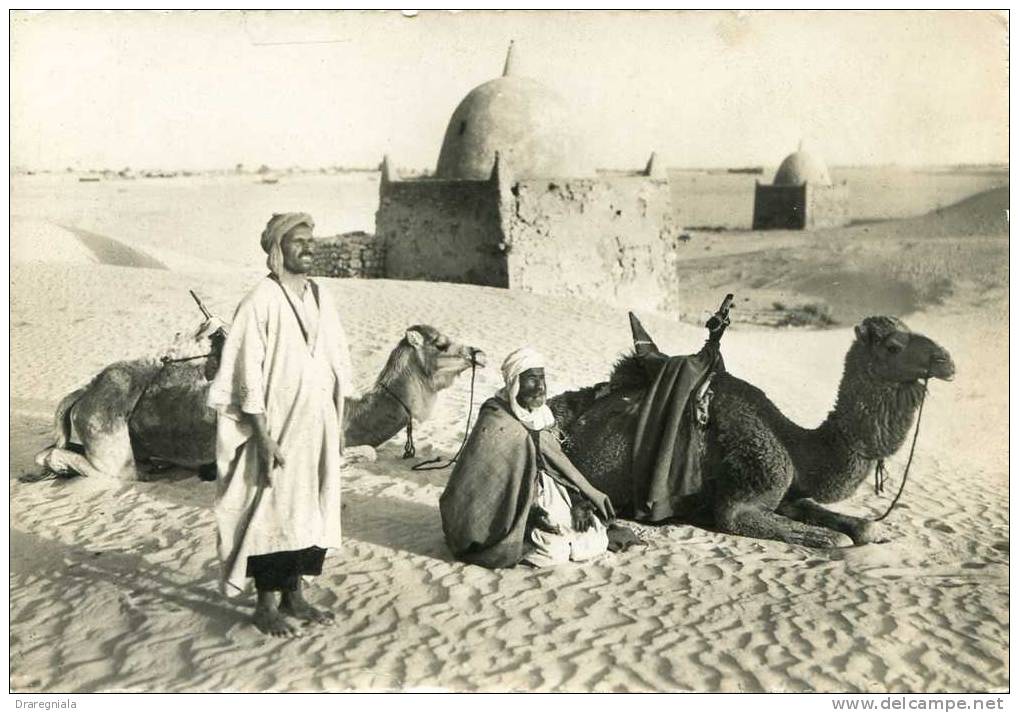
{"x": 802, "y": 196}
{"x": 525, "y": 122}
{"x": 515, "y": 202}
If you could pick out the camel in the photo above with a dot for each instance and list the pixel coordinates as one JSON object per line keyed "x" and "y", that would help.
{"x": 764, "y": 476}
{"x": 153, "y": 412}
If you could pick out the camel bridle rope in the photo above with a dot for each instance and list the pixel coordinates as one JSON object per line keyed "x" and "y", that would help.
{"x": 436, "y": 462}
{"x": 409, "y": 450}
{"x": 881, "y": 473}
{"x": 408, "y": 447}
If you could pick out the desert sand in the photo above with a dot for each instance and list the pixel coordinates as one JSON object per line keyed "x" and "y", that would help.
{"x": 114, "y": 585}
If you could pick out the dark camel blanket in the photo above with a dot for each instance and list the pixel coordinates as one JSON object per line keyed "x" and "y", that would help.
{"x": 486, "y": 502}
{"x": 669, "y": 438}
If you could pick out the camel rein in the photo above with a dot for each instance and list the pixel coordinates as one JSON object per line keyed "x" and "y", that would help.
{"x": 408, "y": 448}
{"x": 881, "y": 473}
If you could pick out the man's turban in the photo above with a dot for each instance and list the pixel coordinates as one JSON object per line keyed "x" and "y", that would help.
{"x": 279, "y": 225}
{"x": 520, "y": 361}
{"x": 516, "y": 364}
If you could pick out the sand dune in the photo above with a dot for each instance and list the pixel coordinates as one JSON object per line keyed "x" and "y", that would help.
{"x": 981, "y": 214}
{"x": 952, "y": 258}
{"x": 112, "y": 252}
{"x": 42, "y": 241}
{"x": 113, "y": 585}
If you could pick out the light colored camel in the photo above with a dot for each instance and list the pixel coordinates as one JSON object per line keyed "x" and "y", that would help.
{"x": 765, "y": 476}
{"x": 144, "y": 411}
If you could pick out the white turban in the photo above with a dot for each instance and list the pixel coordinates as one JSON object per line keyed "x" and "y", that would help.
{"x": 516, "y": 364}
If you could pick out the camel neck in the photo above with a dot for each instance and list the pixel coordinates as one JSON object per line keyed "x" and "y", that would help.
{"x": 874, "y": 417}
{"x": 380, "y": 413}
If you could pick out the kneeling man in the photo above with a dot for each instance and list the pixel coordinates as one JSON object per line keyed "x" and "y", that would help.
{"x": 514, "y": 496}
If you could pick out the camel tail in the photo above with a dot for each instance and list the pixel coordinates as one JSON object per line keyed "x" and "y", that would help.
{"x": 62, "y": 419}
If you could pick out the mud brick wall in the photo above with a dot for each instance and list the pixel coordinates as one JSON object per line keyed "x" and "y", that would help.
{"x": 444, "y": 231}
{"x": 779, "y": 207}
{"x": 827, "y": 206}
{"x": 609, "y": 239}
{"x": 806, "y": 206}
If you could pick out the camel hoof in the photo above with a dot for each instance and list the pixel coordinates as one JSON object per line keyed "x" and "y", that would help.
{"x": 841, "y": 540}
{"x": 51, "y": 460}
{"x": 870, "y": 532}
{"x": 821, "y": 541}
{"x": 42, "y": 457}
{"x": 359, "y": 454}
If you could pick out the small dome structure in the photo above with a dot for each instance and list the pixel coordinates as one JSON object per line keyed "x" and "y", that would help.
{"x": 801, "y": 167}
{"x": 526, "y": 122}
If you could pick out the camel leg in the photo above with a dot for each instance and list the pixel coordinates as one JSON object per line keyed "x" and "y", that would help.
{"x": 67, "y": 462}
{"x": 750, "y": 520}
{"x": 107, "y": 451}
{"x": 755, "y": 475}
{"x": 807, "y": 511}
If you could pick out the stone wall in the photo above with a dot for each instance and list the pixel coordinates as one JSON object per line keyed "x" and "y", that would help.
{"x": 356, "y": 254}
{"x": 444, "y": 231}
{"x": 609, "y": 239}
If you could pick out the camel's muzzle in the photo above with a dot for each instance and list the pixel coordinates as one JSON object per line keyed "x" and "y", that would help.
{"x": 942, "y": 367}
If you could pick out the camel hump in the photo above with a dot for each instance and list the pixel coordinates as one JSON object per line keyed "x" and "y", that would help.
{"x": 643, "y": 344}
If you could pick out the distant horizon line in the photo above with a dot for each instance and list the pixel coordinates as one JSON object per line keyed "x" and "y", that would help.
{"x": 265, "y": 169}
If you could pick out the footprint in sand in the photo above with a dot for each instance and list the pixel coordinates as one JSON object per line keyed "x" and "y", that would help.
{"x": 1000, "y": 546}
{"x": 939, "y": 526}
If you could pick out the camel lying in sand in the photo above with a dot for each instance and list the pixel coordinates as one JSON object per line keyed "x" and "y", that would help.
{"x": 764, "y": 475}
{"x": 145, "y": 411}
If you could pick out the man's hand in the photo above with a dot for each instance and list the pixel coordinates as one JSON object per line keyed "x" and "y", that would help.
{"x": 604, "y": 505}
{"x": 269, "y": 457}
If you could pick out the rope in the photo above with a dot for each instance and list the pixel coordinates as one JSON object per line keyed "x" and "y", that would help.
{"x": 432, "y": 464}
{"x": 408, "y": 447}
{"x": 880, "y": 473}
{"x": 164, "y": 361}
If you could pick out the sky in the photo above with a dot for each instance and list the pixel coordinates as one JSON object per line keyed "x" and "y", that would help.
{"x": 203, "y": 90}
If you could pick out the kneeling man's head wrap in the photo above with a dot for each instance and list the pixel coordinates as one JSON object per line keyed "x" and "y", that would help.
{"x": 279, "y": 225}
{"x": 516, "y": 364}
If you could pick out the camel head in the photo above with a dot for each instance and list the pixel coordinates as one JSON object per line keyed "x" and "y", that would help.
{"x": 214, "y": 330}
{"x": 886, "y": 350}
{"x": 439, "y": 358}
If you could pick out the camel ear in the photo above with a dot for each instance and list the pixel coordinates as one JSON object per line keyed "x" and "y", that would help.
{"x": 863, "y": 332}
{"x": 415, "y": 338}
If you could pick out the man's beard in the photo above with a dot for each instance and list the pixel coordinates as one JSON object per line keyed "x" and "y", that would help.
{"x": 531, "y": 403}
{"x": 299, "y": 267}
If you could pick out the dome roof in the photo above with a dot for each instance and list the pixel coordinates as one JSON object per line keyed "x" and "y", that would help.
{"x": 801, "y": 167}
{"x": 526, "y": 122}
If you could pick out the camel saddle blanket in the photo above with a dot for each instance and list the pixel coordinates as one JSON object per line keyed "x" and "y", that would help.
{"x": 669, "y": 440}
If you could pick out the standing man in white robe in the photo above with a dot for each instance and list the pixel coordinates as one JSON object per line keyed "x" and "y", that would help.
{"x": 279, "y": 395}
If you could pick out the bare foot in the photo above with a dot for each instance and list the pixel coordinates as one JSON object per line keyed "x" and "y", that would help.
{"x": 294, "y": 604}
{"x": 268, "y": 619}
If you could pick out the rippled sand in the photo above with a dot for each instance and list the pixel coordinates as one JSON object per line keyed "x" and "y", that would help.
{"x": 113, "y": 585}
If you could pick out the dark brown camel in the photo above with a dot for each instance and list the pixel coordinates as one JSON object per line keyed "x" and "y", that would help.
{"x": 764, "y": 475}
